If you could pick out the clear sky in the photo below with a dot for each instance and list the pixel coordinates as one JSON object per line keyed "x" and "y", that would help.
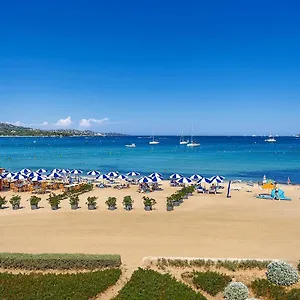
{"x": 228, "y": 67}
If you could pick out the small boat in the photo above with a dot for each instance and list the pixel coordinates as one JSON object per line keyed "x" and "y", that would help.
{"x": 270, "y": 140}
{"x": 193, "y": 144}
{"x": 183, "y": 141}
{"x": 153, "y": 142}
{"x": 130, "y": 145}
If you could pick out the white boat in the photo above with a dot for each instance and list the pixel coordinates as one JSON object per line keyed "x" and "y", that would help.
{"x": 153, "y": 142}
{"x": 270, "y": 139}
{"x": 130, "y": 145}
{"x": 183, "y": 141}
{"x": 193, "y": 144}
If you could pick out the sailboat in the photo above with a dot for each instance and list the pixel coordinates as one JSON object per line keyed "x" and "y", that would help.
{"x": 192, "y": 143}
{"x": 270, "y": 139}
{"x": 183, "y": 141}
{"x": 153, "y": 142}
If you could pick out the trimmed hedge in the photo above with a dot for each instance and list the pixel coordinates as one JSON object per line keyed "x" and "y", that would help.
{"x": 207, "y": 263}
{"x": 264, "y": 288}
{"x": 150, "y": 285}
{"x": 35, "y": 286}
{"x": 293, "y": 294}
{"x": 47, "y": 261}
{"x": 211, "y": 282}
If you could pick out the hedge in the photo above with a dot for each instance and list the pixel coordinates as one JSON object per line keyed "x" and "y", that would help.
{"x": 149, "y": 285}
{"x": 264, "y": 288}
{"x": 47, "y": 261}
{"x": 36, "y": 286}
{"x": 207, "y": 263}
{"x": 211, "y": 282}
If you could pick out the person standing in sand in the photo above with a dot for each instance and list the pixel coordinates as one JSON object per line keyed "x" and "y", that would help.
{"x": 276, "y": 195}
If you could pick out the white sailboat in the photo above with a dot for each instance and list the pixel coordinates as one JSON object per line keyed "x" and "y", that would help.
{"x": 153, "y": 142}
{"x": 270, "y": 139}
{"x": 183, "y": 141}
{"x": 192, "y": 143}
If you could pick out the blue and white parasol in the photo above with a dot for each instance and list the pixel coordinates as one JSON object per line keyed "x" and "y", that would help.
{"x": 196, "y": 177}
{"x": 25, "y": 171}
{"x": 175, "y": 176}
{"x": 184, "y": 180}
{"x": 41, "y": 171}
{"x": 64, "y": 171}
{"x": 156, "y": 179}
{"x": 112, "y": 174}
{"x": 18, "y": 177}
{"x": 54, "y": 176}
{"x": 103, "y": 177}
{"x": 76, "y": 172}
{"x": 93, "y": 173}
{"x": 122, "y": 177}
{"x": 38, "y": 178}
{"x": 155, "y": 175}
{"x": 145, "y": 180}
{"x": 133, "y": 174}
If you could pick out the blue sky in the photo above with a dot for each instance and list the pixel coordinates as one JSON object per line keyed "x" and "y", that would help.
{"x": 228, "y": 67}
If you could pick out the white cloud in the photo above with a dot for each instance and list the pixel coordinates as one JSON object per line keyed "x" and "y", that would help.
{"x": 90, "y": 122}
{"x": 45, "y": 123}
{"x": 64, "y": 122}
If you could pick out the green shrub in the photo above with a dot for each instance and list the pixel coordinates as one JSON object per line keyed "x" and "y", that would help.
{"x": 282, "y": 273}
{"x": 236, "y": 291}
{"x": 293, "y": 294}
{"x": 57, "y": 261}
{"x": 211, "y": 282}
{"x": 264, "y": 288}
{"x": 34, "y": 200}
{"x": 36, "y": 286}
{"x": 2, "y": 201}
{"x": 150, "y": 285}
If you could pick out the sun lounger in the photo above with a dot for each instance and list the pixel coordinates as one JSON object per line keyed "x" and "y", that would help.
{"x": 279, "y": 195}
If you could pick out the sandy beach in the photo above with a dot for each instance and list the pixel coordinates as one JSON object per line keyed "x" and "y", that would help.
{"x": 203, "y": 226}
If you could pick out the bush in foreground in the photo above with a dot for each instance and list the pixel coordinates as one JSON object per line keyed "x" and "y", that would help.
{"x": 282, "y": 273}
{"x": 264, "y": 288}
{"x": 149, "y": 285}
{"x": 80, "y": 286}
{"x": 236, "y": 291}
{"x": 58, "y": 261}
{"x": 211, "y": 282}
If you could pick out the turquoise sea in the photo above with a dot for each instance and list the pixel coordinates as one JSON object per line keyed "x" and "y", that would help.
{"x": 234, "y": 157}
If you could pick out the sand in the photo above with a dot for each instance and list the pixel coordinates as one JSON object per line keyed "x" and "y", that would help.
{"x": 211, "y": 226}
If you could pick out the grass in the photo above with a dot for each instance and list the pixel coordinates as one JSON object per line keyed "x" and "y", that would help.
{"x": 35, "y": 286}
{"x": 47, "y": 261}
{"x": 211, "y": 282}
{"x": 150, "y": 285}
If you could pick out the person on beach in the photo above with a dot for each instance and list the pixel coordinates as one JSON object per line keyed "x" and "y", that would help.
{"x": 276, "y": 196}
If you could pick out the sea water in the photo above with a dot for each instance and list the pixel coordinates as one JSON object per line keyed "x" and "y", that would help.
{"x": 234, "y": 157}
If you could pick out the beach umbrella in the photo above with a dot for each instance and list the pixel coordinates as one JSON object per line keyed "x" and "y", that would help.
{"x": 55, "y": 171}
{"x": 32, "y": 174}
{"x": 132, "y": 174}
{"x": 122, "y": 177}
{"x": 9, "y": 175}
{"x": 40, "y": 171}
{"x": 18, "y": 177}
{"x": 156, "y": 179}
{"x": 175, "y": 176}
{"x": 54, "y": 175}
{"x": 112, "y": 174}
{"x": 155, "y": 175}
{"x": 184, "y": 180}
{"x": 64, "y": 171}
{"x": 145, "y": 180}
{"x": 93, "y": 173}
{"x": 38, "y": 178}
{"x": 203, "y": 180}
{"x": 25, "y": 171}
{"x": 221, "y": 178}
{"x": 215, "y": 179}
{"x": 76, "y": 172}
{"x": 103, "y": 177}
{"x": 196, "y": 177}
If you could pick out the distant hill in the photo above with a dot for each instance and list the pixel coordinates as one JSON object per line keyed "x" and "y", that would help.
{"x": 13, "y": 130}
